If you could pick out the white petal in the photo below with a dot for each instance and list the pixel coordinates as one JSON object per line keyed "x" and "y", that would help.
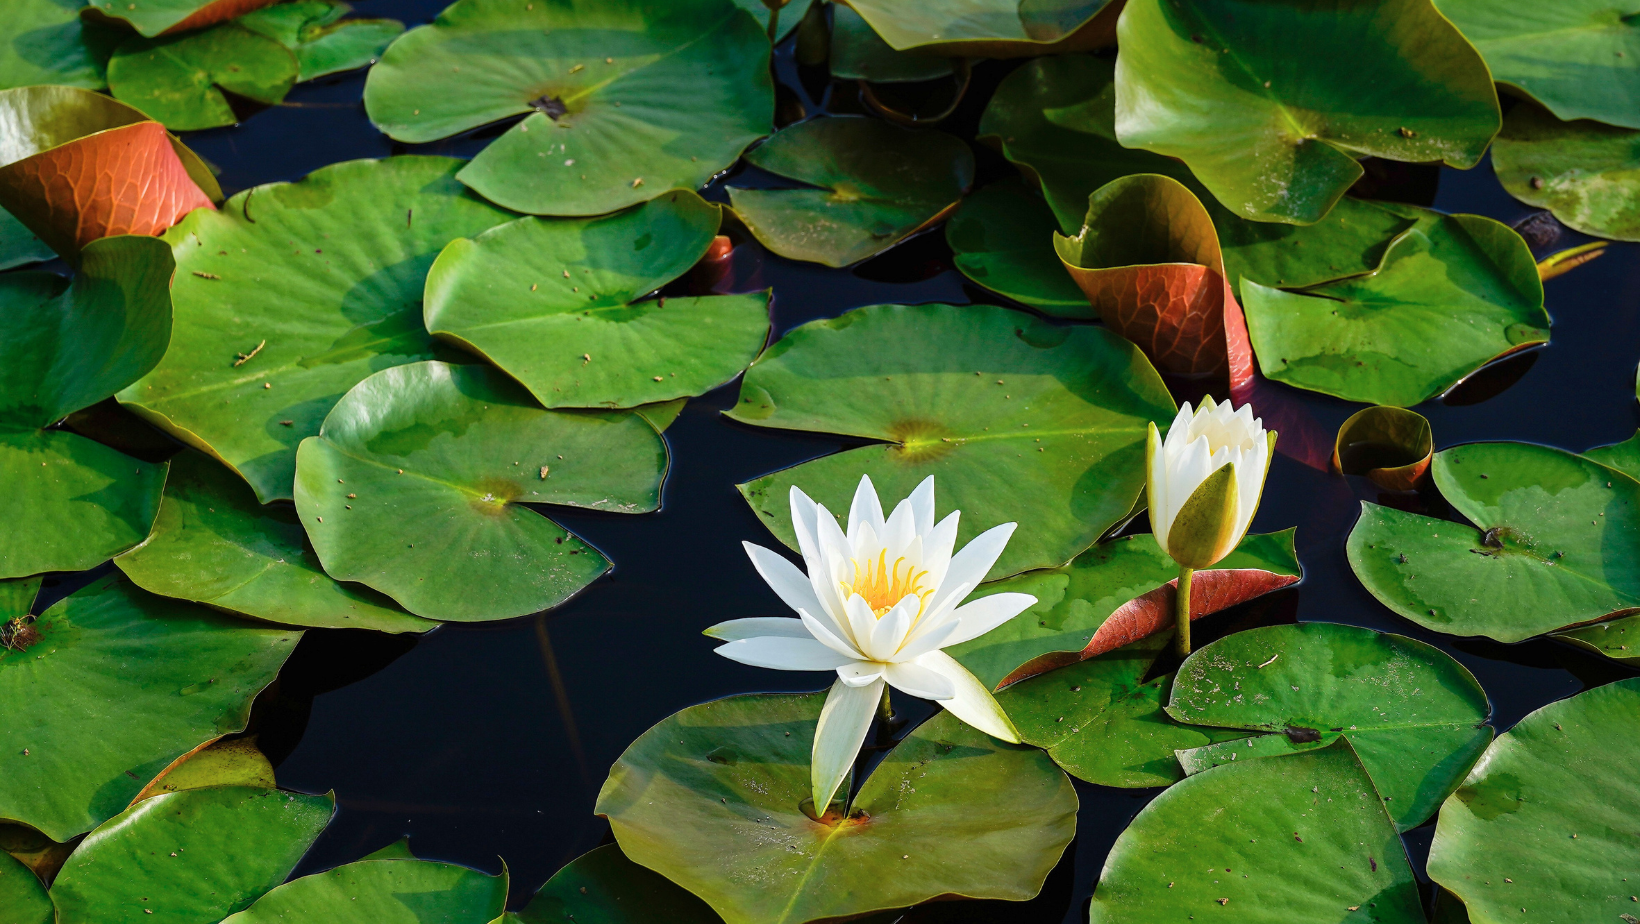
{"x": 892, "y": 628}
{"x": 972, "y": 703}
{"x": 861, "y": 620}
{"x": 1156, "y": 486}
{"x": 784, "y": 654}
{"x": 937, "y": 547}
{"x": 861, "y": 673}
{"x": 827, "y": 635}
{"x": 834, "y": 546}
{"x": 791, "y": 584}
{"x": 866, "y": 509}
{"x": 803, "y": 524}
{"x": 975, "y": 559}
{"x": 838, "y": 735}
{"x": 980, "y": 616}
{"x": 919, "y": 681}
{"x": 898, "y": 532}
{"x": 758, "y": 626}
{"x": 922, "y": 506}
{"x": 1179, "y": 433}
{"x": 924, "y": 640}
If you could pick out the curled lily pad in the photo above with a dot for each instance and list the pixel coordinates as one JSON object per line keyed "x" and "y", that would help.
{"x": 181, "y": 79}
{"x": 1250, "y": 96}
{"x": 291, "y": 295}
{"x": 710, "y": 798}
{"x": 213, "y": 543}
{"x": 1112, "y": 595}
{"x": 22, "y": 895}
{"x": 1414, "y": 716}
{"x": 323, "y": 41}
{"x": 1100, "y": 723}
{"x": 1390, "y": 445}
{"x": 604, "y": 887}
{"x": 81, "y": 166}
{"x": 65, "y": 346}
{"x": 18, "y": 245}
{"x": 1020, "y": 420}
{"x": 192, "y": 857}
{"x": 116, "y": 685}
{"x": 168, "y": 17}
{"x": 228, "y": 762}
{"x": 1148, "y": 259}
{"x": 1544, "y": 821}
{"x": 859, "y": 53}
{"x": 1610, "y": 638}
{"x": 1449, "y": 298}
{"x": 1002, "y": 238}
{"x": 1586, "y": 173}
{"x": 1303, "y": 838}
{"x": 385, "y": 891}
{"x": 1554, "y": 544}
{"x": 422, "y": 470}
{"x": 48, "y": 44}
{"x": 559, "y": 305}
{"x": 623, "y": 99}
{"x": 993, "y": 28}
{"x": 1571, "y": 55}
{"x": 790, "y": 15}
{"x": 870, "y": 185}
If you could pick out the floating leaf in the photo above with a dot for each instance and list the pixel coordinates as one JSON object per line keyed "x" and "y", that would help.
{"x": 324, "y": 43}
{"x": 1544, "y": 822}
{"x": 180, "y": 79}
{"x": 47, "y": 44}
{"x": 1112, "y": 595}
{"x": 17, "y": 597}
{"x": 213, "y": 543}
{"x": 1303, "y": 838}
{"x": 870, "y": 185}
{"x": 555, "y": 304}
{"x": 790, "y": 15}
{"x": 1584, "y": 172}
{"x": 1569, "y": 55}
{"x": 81, "y": 166}
{"x": 604, "y": 887}
{"x": 710, "y": 799}
{"x": 1002, "y": 238}
{"x": 1101, "y": 724}
{"x": 624, "y": 99}
{"x": 190, "y": 857}
{"x": 1250, "y": 96}
{"x": 18, "y": 245}
{"x": 859, "y": 53}
{"x": 1390, "y": 445}
{"x": 421, "y": 470}
{"x": 993, "y": 28}
{"x": 118, "y": 685}
{"x": 22, "y": 896}
{"x": 65, "y": 346}
{"x": 1415, "y": 717}
{"x": 235, "y": 762}
{"x": 1555, "y": 542}
{"x": 168, "y": 17}
{"x": 291, "y": 295}
{"x": 385, "y": 891}
{"x": 1608, "y": 638}
{"x": 1449, "y": 298}
{"x": 1624, "y": 456}
{"x": 1021, "y": 420}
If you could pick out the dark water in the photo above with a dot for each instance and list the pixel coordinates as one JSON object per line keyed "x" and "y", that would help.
{"x": 484, "y": 742}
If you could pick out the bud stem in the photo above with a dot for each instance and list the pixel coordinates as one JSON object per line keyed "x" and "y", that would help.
{"x": 1181, "y": 637}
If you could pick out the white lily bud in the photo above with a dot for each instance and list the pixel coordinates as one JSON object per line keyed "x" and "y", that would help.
{"x": 1198, "y": 512}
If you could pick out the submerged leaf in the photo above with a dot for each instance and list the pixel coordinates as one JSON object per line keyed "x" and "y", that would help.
{"x": 181, "y": 80}
{"x": 1002, "y": 238}
{"x": 1390, "y": 445}
{"x": 1588, "y": 174}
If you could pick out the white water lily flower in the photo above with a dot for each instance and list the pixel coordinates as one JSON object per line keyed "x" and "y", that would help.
{"x": 877, "y": 605}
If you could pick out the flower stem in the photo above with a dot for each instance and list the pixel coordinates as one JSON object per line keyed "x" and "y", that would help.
{"x": 1181, "y": 637}
{"x": 774, "y": 23}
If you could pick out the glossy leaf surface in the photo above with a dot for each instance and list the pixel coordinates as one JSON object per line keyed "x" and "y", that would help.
{"x": 323, "y": 42}
{"x": 1020, "y": 420}
{"x": 1002, "y": 238}
{"x": 405, "y": 891}
{"x": 992, "y": 28}
{"x": 710, "y": 798}
{"x": 156, "y": 17}
{"x": 119, "y": 684}
{"x": 622, "y": 99}
{"x": 859, "y": 53}
{"x": 1588, "y": 174}
{"x": 868, "y": 185}
{"x": 555, "y": 303}
{"x": 603, "y": 887}
{"x": 47, "y": 44}
{"x": 422, "y": 470}
{"x": 180, "y": 80}
{"x": 225, "y": 762}
{"x": 292, "y": 294}
{"x": 1554, "y": 543}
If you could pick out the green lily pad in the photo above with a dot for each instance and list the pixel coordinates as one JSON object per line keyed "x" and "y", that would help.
{"x": 214, "y": 544}
{"x": 1624, "y": 456}
{"x": 22, "y": 897}
{"x": 1074, "y": 602}
{"x": 870, "y": 186}
{"x": 65, "y": 346}
{"x": 1586, "y": 173}
{"x": 604, "y": 887}
{"x": 47, "y": 44}
{"x": 17, "y": 597}
{"x": 1020, "y": 420}
{"x": 324, "y": 43}
{"x": 1099, "y": 721}
{"x": 1554, "y": 544}
{"x": 555, "y": 304}
{"x": 1449, "y": 298}
{"x": 1610, "y": 638}
{"x": 1002, "y": 238}
{"x": 18, "y": 245}
{"x": 790, "y": 15}
{"x": 1304, "y": 839}
{"x": 1574, "y": 56}
{"x": 191, "y": 857}
{"x": 1546, "y": 821}
{"x": 421, "y": 472}
{"x": 710, "y": 799}
{"x": 227, "y": 762}
{"x": 1415, "y": 717}
{"x": 180, "y": 79}
{"x": 1250, "y": 96}
{"x": 118, "y": 684}
{"x": 292, "y": 294}
{"x": 153, "y": 17}
{"x": 992, "y": 28}
{"x": 859, "y": 53}
{"x": 623, "y": 99}
{"x": 397, "y": 891}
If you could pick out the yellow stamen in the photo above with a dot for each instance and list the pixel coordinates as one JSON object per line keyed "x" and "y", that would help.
{"x": 883, "y": 585}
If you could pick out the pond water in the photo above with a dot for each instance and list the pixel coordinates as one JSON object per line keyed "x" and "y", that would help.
{"x": 489, "y": 742}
